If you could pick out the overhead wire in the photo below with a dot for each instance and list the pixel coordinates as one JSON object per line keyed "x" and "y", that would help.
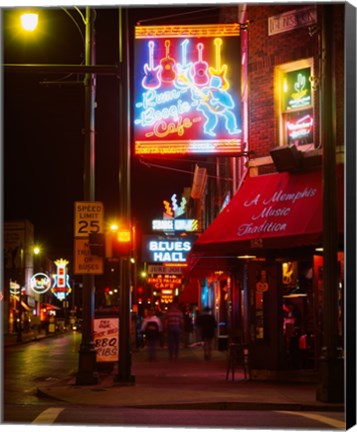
{"x": 176, "y": 15}
{"x": 149, "y": 165}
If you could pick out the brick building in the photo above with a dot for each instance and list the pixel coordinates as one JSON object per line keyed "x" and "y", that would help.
{"x": 292, "y": 92}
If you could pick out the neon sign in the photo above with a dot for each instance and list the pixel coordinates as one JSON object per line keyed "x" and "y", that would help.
{"x": 173, "y": 209}
{"x": 175, "y": 225}
{"x": 297, "y": 89}
{"x": 162, "y": 249}
{"x": 40, "y": 283}
{"x": 300, "y": 127}
{"x": 165, "y": 282}
{"x": 61, "y": 287}
{"x": 14, "y": 288}
{"x": 187, "y": 90}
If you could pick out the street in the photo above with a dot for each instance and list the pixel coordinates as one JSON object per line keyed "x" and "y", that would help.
{"x": 28, "y": 365}
{"x": 118, "y": 416}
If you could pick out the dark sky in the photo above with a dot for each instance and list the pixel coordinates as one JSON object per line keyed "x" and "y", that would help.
{"x": 43, "y": 144}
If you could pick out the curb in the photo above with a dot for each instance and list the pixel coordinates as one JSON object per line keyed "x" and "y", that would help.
{"x": 239, "y": 406}
{"x": 218, "y": 405}
{"x": 213, "y": 406}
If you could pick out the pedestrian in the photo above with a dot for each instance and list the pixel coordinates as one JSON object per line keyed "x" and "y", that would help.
{"x": 207, "y": 325}
{"x": 173, "y": 323}
{"x": 152, "y": 328}
{"x": 295, "y": 353}
{"x": 188, "y": 327}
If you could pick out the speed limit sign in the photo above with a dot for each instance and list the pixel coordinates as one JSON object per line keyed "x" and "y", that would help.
{"x": 88, "y": 218}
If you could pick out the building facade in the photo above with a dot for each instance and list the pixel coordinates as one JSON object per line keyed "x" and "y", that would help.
{"x": 260, "y": 257}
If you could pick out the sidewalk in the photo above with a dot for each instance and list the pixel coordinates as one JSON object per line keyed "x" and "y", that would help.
{"x": 31, "y": 336}
{"x": 188, "y": 383}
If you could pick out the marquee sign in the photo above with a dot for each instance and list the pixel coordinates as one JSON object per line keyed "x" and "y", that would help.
{"x": 61, "y": 287}
{"x": 164, "y": 282}
{"x": 175, "y": 225}
{"x": 40, "y": 283}
{"x": 161, "y": 249}
{"x": 187, "y": 90}
{"x": 170, "y": 221}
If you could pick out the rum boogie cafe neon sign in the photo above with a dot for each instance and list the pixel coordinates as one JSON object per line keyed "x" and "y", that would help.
{"x": 166, "y": 249}
{"x": 187, "y": 89}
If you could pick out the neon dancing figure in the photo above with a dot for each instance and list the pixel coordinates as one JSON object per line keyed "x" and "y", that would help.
{"x": 214, "y": 102}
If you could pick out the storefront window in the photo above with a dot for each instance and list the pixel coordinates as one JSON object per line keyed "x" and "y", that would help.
{"x": 295, "y": 103}
{"x": 299, "y": 127}
{"x": 261, "y": 287}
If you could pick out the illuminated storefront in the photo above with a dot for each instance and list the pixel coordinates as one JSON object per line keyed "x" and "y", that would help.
{"x": 260, "y": 260}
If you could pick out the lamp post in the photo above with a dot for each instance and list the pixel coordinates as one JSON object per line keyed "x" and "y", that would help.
{"x": 124, "y": 364}
{"x": 87, "y": 366}
{"x": 87, "y": 373}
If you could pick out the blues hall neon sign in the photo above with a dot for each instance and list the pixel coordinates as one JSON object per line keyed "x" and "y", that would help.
{"x": 187, "y": 90}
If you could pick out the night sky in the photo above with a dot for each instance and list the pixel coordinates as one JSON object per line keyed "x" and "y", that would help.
{"x": 43, "y": 144}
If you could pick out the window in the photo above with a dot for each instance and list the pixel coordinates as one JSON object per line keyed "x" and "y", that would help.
{"x": 295, "y": 103}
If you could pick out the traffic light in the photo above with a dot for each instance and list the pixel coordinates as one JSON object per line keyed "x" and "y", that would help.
{"x": 123, "y": 243}
{"x": 119, "y": 243}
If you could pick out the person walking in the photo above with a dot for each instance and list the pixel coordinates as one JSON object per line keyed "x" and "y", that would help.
{"x": 152, "y": 328}
{"x": 207, "y": 325}
{"x": 173, "y": 323}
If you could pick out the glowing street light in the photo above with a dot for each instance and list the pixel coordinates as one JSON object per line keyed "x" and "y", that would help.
{"x": 87, "y": 373}
{"x": 36, "y": 250}
{"x": 29, "y": 21}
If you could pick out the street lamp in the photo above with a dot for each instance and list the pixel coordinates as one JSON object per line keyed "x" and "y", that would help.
{"x": 36, "y": 250}
{"x": 29, "y": 21}
{"x": 87, "y": 357}
{"x": 87, "y": 373}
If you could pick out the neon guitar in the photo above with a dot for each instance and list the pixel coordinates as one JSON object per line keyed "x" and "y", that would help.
{"x": 219, "y": 70}
{"x": 200, "y": 69}
{"x": 168, "y": 66}
{"x": 151, "y": 78}
{"x": 184, "y": 68}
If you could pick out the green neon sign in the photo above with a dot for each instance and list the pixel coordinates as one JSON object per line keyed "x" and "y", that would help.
{"x": 297, "y": 89}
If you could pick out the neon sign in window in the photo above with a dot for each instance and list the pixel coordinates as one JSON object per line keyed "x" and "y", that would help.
{"x": 187, "y": 90}
{"x": 297, "y": 89}
{"x": 300, "y": 127}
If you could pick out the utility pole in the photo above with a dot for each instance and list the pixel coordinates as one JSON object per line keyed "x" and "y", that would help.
{"x": 331, "y": 387}
{"x": 124, "y": 364}
{"x": 87, "y": 367}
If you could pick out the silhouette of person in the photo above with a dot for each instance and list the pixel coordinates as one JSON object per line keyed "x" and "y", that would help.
{"x": 207, "y": 325}
{"x": 173, "y": 323}
{"x": 152, "y": 328}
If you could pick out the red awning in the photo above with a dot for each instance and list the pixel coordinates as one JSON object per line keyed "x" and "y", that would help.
{"x": 273, "y": 211}
{"x": 190, "y": 292}
{"x": 49, "y": 306}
